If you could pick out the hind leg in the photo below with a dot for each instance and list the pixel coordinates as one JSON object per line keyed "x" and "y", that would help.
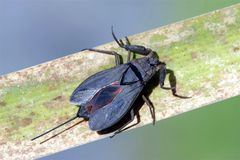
{"x": 151, "y": 108}
{"x": 123, "y": 128}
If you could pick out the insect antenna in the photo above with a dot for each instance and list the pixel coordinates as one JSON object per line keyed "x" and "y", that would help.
{"x": 54, "y": 128}
{"x": 62, "y": 131}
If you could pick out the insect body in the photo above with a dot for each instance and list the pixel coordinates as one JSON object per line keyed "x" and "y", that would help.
{"x": 105, "y": 97}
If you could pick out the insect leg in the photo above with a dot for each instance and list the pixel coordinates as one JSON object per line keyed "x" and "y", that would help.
{"x": 151, "y": 108}
{"x": 118, "y": 57}
{"x": 119, "y": 42}
{"x": 162, "y": 74}
{"x": 172, "y": 79}
{"x": 173, "y": 84}
{"x": 123, "y": 127}
{"x": 129, "y": 52}
{"x": 132, "y": 48}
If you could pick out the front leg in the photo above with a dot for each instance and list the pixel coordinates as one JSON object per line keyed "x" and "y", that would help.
{"x": 132, "y": 48}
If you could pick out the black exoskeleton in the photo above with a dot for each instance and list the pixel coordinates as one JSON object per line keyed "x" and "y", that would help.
{"x": 107, "y": 96}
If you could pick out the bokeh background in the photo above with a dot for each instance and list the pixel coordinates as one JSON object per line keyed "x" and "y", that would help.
{"x": 32, "y": 32}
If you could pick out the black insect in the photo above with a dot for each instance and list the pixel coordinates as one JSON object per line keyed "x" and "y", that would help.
{"x": 105, "y": 97}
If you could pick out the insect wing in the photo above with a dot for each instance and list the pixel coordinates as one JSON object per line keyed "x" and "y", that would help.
{"x": 105, "y": 96}
{"x": 89, "y": 87}
{"x": 114, "y": 111}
